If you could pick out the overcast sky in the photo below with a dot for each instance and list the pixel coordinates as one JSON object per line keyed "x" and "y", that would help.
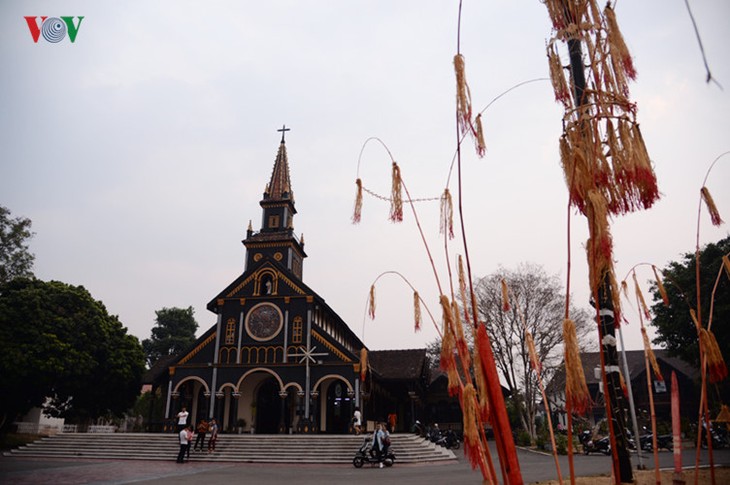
{"x": 141, "y": 151}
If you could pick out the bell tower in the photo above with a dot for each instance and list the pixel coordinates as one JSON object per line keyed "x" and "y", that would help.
{"x": 276, "y": 239}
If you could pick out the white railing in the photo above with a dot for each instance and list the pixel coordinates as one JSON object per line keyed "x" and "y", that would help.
{"x": 102, "y": 429}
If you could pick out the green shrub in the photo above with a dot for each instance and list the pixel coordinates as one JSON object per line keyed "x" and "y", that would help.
{"x": 523, "y": 438}
{"x": 561, "y": 443}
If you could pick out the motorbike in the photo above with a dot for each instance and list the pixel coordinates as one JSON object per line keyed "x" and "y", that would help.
{"x": 663, "y": 441}
{"x": 448, "y": 440}
{"x": 602, "y": 445}
{"x": 365, "y": 454}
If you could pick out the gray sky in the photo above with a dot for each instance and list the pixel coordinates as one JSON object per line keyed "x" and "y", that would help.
{"x": 141, "y": 151}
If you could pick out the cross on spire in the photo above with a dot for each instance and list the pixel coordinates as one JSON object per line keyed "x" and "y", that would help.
{"x": 283, "y": 131}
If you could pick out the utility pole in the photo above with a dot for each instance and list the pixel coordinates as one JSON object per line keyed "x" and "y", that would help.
{"x": 615, "y": 402}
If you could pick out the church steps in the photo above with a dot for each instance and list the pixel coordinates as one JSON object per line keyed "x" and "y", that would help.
{"x": 300, "y": 449}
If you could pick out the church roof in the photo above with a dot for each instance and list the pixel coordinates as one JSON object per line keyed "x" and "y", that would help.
{"x": 279, "y": 187}
{"x": 398, "y": 364}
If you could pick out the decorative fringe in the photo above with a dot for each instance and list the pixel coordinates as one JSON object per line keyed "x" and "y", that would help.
{"x": 534, "y": 361}
{"x": 625, "y": 288}
{"x": 714, "y": 213}
{"x": 463, "y": 97}
{"x": 480, "y": 144}
{"x": 462, "y": 290}
{"x": 448, "y": 345}
{"x": 357, "y": 213}
{"x": 557, "y": 77}
{"x": 576, "y": 389}
{"x": 472, "y": 444}
{"x": 363, "y": 363}
{"x": 479, "y": 378}
{"x": 505, "y": 297}
{"x": 640, "y": 297}
{"x": 461, "y": 344}
{"x": 371, "y": 302}
{"x": 417, "y": 311}
{"x": 617, "y": 45}
{"x": 726, "y": 264}
{"x": 447, "y": 215}
{"x": 650, "y": 354}
{"x": 715, "y": 363}
{"x": 396, "y": 198}
{"x": 660, "y": 285}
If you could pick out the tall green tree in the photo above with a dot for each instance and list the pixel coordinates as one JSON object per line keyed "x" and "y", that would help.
{"x": 59, "y": 343}
{"x": 675, "y": 329}
{"x": 15, "y": 257}
{"x": 174, "y": 331}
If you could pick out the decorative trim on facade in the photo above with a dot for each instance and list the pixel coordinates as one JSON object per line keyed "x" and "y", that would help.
{"x": 255, "y": 351}
{"x": 197, "y": 349}
{"x": 331, "y": 347}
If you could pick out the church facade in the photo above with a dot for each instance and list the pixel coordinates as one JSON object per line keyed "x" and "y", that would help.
{"x": 279, "y": 359}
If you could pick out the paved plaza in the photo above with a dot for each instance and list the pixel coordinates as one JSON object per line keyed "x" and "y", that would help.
{"x": 535, "y": 467}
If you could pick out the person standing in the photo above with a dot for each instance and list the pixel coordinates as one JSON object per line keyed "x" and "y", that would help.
{"x": 377, "y": 445}
{"x": 184, "y": 444}
{"x": 357, "y": 420}
{"x": 201, "y": 429}
{"x": 213, "y": 428}
{"x": 190, "y": 434}
{"x": 182, "y": 419}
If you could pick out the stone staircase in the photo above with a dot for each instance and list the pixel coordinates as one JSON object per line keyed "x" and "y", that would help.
{"x": 245, "y": 448}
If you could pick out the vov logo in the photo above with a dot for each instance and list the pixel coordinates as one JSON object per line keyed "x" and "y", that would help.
{"x": 53, "y": 29}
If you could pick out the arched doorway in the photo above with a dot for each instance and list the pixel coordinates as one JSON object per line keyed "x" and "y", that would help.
{"x": 268, "y": 407}
{"x": 339, "y": 407}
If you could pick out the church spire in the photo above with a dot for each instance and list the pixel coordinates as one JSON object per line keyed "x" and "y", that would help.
{"x": 279, "y": 187}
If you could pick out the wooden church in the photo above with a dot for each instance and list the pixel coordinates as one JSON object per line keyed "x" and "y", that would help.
{"x": 279, "y": 358}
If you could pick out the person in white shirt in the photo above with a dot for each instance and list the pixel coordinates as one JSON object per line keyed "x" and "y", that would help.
{"x": 182, "y": 419}
{"x": 184, "y": 443}
{"x": 357, "y": 420}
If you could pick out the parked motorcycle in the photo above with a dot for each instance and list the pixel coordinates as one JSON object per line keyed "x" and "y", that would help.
{"x": 448, "y": 440}
{"x": 365, "y": 454}
{"x": 602, "y": 445}
{"x": 663, "y": 441}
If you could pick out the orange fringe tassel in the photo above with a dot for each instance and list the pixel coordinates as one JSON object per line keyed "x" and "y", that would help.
{"x": 371, "y": 303}
{"x": 715, "y": 363}
{"x": 363, "y": 363}
{"x": 396, "y": 198}
{"x": 650, "y": 354}
{"x": 417, "y": 310}
{"x": 357, "y": 213}
{"x": 660, "y": 285}
{"x": 482, "y": 342}
{"x": 505, "y": 297}
{"x": 617, "y": 45}
{"x": 714, "y": 213}
{"x": 462, "y": 291}
{"x": 463, "y": 96}
{"x": 472, "y": 445}
{"x": 576, "y": 389}
{"x": 447, "y": 215}
{"x": 461, "y": 344}
{"x": 640, "y": 297}
{"x": 557, "y": 77}
{"x": 726, "y": 264}
{"x": 481, "y": 146}
{"x": 481, "y": 382}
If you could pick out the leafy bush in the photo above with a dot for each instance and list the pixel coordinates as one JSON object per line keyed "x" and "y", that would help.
{"x": 523, "y": 438}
